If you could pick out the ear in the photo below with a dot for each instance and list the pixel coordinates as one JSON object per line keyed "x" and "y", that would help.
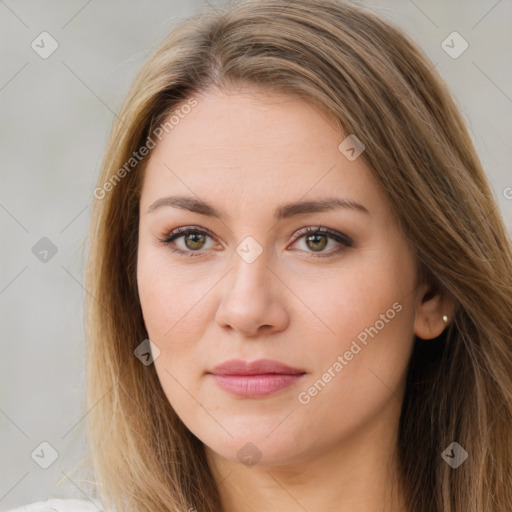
{"x": 431, "y": 306}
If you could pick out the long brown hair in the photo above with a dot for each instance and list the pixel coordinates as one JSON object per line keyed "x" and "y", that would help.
{"x": 378, "y": 85}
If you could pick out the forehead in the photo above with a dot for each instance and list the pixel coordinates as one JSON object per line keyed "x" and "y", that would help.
{"x": 253, "y": 144}
{"x": 251, "y": 123}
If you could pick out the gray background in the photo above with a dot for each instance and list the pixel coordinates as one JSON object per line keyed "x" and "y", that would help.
{"x": 56, "y": 114}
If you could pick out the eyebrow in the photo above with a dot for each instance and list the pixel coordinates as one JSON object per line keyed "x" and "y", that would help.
{"x": 284, "y": 211}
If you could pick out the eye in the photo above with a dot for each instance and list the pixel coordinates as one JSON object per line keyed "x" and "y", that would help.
{"x": 191, "y": 239}
{"x": 316, "y": 239}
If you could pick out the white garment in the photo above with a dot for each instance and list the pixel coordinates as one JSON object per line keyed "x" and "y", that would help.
{"x": 59, "y": 505}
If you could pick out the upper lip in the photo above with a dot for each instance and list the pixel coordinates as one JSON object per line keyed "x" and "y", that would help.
{"x": 258, "y": 367}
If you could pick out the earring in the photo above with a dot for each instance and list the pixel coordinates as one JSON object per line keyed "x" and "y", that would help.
{"x": 445, "y": 319}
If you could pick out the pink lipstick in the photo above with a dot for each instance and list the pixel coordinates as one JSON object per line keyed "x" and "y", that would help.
{"x": 254, "y": 379}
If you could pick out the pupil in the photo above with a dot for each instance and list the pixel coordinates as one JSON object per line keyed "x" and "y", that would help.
{"x": 194, "y": 241}
{"x": 314, "y": 239}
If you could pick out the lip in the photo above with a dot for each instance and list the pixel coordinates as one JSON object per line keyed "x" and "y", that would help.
{"x": 252, "y": 379}
{"x": 258, "y": 367}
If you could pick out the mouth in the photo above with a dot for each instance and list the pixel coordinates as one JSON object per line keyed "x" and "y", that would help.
{"x": 255, "y": 379}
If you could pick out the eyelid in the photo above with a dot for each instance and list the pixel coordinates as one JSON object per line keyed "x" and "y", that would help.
{"x": 319, "y": 229}
{"x": 184, "y": 230}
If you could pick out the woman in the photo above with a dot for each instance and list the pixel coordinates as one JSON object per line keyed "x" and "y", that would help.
{"x": 292, "y": 211}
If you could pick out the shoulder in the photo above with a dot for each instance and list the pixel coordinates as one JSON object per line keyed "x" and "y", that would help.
{"x": 58, "y": 505}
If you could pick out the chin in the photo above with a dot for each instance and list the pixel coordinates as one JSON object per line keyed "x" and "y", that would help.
{"x": 262, "y": 447}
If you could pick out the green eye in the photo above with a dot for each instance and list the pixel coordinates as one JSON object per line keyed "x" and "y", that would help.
{"x": 317, "y": 241}
{"x": 194, "y": 241}
{"x": 317, "y": 238}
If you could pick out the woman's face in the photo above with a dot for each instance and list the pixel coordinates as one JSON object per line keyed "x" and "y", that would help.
{"x": 252, "y": 172}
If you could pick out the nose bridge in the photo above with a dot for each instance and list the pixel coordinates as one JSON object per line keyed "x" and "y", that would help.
{"x": 250, "y": 272}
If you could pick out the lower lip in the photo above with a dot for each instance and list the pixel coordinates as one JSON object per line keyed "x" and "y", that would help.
{"x": 253, "y": 386}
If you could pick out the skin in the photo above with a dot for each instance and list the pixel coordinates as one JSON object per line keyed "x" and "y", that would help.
{"x": 247, "y": 151}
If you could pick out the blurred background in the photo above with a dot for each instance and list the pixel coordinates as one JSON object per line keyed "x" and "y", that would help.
{"x": 65, "y": 68}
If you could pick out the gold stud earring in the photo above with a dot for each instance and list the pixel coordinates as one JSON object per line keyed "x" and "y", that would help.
{"x": 445, "y": 319}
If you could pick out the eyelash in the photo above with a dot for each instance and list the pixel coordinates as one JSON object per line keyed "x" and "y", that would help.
{"x": 316, "y": 230}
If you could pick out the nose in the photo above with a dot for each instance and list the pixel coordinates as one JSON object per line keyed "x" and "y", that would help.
{"x": 253, "y": 299}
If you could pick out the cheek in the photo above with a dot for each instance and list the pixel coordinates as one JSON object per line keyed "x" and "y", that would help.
{"x": 177, "y": 303}
{"x": 174, "y": 306}
{"x": 354, "y": 383}
{"x": 361, "y": 361}
{"x": 345, "y": 301}
{"x": 170, "y": 295}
